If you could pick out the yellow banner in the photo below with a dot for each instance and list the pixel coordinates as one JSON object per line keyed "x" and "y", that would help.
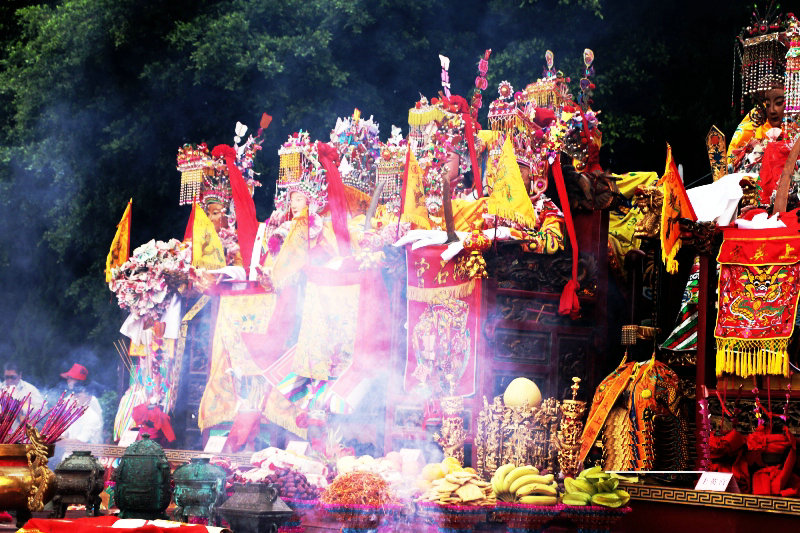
{"x": 121, "y": 245}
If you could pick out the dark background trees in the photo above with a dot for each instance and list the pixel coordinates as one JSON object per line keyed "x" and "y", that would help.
{"x": 97, "y": 95}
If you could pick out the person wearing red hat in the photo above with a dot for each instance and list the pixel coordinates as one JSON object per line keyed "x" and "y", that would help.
{"x": 89, "y": 427}
{"x": 76, "y": 374}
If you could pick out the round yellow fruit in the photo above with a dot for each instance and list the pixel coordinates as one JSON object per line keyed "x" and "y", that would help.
{"x": 433, "y": 471}
{"x": 470, "y": 470}
{"x": 450, "y": 465}
{"x": 522, "y": 392}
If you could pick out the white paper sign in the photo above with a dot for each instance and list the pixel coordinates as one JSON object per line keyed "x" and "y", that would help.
{"x": 215, "y": 443}
{"x": 298, "y": 447}
{"x": 128, "y": 437}
{"x": 717, "y": 482}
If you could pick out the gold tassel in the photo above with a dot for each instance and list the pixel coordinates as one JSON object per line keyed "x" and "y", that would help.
{"x": 495, "y": 208}
{"x": 419, "y": 118}
{"x": 428, "y": 295}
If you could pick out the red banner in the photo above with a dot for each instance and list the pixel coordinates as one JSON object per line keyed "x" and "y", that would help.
{"x": 444, "y": 314}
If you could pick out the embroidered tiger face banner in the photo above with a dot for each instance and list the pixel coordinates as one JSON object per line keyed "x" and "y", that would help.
{"x": 757, "y": 301}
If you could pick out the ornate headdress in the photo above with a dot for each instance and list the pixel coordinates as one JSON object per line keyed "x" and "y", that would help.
{"x": 357, "y": 142}
{"x": 205, "y": 179}
{"x": 390, "y": 166}
{"x": 193, "y": 162}
{"x": 422, "y": 120}
{"x": 503, "y": 111}
{"x": 299, "y": 170}
{"x": 763, "y": 52}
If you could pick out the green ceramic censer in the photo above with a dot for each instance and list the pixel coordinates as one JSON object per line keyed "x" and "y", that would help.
{"x": 199, "y": 488}
{"x": 143, "y": 484}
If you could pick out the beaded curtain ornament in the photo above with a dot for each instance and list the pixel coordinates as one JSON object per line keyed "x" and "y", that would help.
{"x": 192, "y": 162}
{"x": 421, "y": 124}
{"x": 792, "y": 78}
{"x": 390, "y": 167}
{"x": 763, "y": 52}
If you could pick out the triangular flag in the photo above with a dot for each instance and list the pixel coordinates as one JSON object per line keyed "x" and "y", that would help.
{"x": 207, "y": 249}
{"x": 121, "y": 245}
{"x": 413, "y": 208}
{"x": 509, "y": 199}
{"x": 676, "y": 206}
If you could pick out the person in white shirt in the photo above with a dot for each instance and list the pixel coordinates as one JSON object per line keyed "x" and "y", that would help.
{"x": 89, "y": 427}
{"x": 18, "y": 387}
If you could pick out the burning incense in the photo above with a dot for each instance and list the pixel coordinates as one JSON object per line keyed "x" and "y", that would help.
{"x": 16, "y": 415}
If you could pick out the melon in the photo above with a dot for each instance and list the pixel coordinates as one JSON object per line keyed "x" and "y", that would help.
{"x": 522, "y": 392}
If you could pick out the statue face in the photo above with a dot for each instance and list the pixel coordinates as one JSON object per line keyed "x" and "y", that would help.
{"x": 297, "y": 202}
{"x": 216, "y": 214}
{"x": 774, "y": 103}
{"x": 451, "y": 170}
{"x": 525, "y": 172}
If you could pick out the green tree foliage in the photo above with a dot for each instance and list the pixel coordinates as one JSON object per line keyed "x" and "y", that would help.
{"x": 97, "y": 95}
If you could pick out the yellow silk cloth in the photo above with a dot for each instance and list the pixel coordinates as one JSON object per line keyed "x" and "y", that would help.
{"x": 238, "y": 313}
{"x": 414, "y": 210}
{"x": 621, "y": 225}
{"x": 745, "y": 131}
{"x": 207, "y": 249}
{"x": 328, "y": 330}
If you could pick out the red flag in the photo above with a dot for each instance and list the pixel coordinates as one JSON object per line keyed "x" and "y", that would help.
{"x": 187, "y": 235}
{"x": 246, "y": 221}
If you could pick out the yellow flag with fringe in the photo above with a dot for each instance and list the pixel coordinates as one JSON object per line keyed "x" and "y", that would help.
{"x": 121, "y": 245}
{"x": 676, "y": 206}
{"x": 414, "y": 210}
{"x": 508, "y": 199}
{"x": 207, "y": 249}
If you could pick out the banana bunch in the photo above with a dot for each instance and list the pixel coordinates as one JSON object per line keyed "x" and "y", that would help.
{"x": 595, "y": 487}
{"x": 523, "y": 484}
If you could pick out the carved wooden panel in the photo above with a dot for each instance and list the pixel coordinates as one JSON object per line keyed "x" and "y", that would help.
{"x": 528, "y": 347}
{"x": 196, "y": 386}
{"x": 573, "y": 354}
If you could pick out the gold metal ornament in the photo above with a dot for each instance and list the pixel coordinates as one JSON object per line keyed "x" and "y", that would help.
{"x": 569, "y": 432}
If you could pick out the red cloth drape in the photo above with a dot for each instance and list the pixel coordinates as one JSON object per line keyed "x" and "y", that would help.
{"x": 337, "y": 201}
{"x": 772, "y": 162}
{"x": 246, "y": 221}
{"x": 153, "y": 422}
{"x": 101, "y": 524}
{"x": 569, "y": 304}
